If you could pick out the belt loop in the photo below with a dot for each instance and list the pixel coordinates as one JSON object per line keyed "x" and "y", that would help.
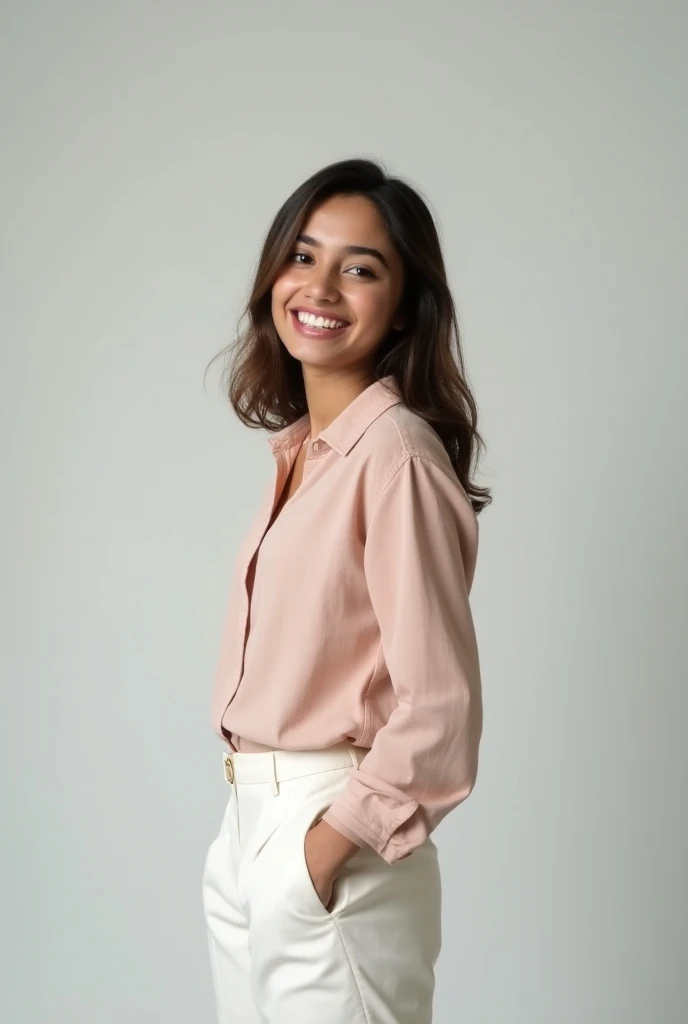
{"x": 274, "y": 788}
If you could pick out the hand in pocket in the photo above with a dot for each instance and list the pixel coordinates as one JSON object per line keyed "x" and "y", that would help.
{"x": 326, "y": 851}
{"x": 320, "y": 866}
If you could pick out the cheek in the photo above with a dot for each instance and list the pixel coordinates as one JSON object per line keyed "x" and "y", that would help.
{"x": 371, "y": 307}
{"x": 281, "y": 292}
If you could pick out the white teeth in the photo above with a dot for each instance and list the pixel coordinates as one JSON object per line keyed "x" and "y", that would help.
{"x": 318, "y": 321}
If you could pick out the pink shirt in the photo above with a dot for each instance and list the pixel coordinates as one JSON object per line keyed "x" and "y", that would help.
{"x": 360, "y": 626}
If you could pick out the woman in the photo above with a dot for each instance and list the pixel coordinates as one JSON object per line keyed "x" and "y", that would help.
{"x": 348, "y": 694}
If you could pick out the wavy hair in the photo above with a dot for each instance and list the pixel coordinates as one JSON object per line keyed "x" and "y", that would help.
{"x": 264, "y": 382}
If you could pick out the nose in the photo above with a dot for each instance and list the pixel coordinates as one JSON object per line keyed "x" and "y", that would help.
{"x": 321, "y": 286}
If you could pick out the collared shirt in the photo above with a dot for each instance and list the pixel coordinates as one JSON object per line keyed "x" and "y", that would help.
{"x": 349, "y": 618}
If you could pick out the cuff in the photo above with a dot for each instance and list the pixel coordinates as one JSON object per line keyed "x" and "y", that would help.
{"x": 378, "y": 834}
{"x": 335, "y": 822}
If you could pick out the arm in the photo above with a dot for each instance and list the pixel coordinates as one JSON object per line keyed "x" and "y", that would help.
{"x": 419, "y": 561}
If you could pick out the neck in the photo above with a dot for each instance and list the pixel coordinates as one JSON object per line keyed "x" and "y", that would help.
{"x": 328, "y": 394}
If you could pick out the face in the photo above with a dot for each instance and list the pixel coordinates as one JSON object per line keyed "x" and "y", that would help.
{"x": 344, "y": 269}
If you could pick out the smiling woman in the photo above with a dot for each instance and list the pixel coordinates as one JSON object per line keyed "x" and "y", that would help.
{"x": 348, "y": 694}
{"x": 332, "y": 275}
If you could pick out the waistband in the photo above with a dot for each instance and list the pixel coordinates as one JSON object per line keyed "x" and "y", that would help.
{"x": 275, "y": 766}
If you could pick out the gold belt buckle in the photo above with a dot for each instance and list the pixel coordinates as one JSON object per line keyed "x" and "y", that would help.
{"x": 229, "y": 768}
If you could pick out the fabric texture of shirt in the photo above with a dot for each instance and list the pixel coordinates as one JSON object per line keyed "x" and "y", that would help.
{"x": 349, "y": 618}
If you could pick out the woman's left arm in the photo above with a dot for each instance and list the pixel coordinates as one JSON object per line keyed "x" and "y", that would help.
{"x": 419, "y": 560}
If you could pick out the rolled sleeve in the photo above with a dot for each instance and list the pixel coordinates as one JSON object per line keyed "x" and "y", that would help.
{"x": 419, "y": 559}
{"x": 337, "y": 823}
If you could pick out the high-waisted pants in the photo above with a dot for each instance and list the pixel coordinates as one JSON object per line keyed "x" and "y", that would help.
{"x": 278, "y": 956}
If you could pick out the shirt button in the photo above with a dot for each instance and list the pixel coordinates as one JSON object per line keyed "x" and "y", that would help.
{"x": 316, "y": 446}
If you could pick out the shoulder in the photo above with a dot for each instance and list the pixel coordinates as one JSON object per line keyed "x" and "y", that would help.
{"x": 411, "y": 483}
{"x": 401, "y": 439}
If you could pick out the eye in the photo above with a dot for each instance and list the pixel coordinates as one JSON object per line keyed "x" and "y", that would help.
{"x": 295, "y": 254}
{"x": 367, "y": 272}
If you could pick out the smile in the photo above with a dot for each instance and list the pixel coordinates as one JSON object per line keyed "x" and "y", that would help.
{"x": 317, "y": 326}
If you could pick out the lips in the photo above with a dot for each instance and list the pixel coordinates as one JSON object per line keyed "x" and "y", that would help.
{"x": 319, "y": 312}
{"x": 317, "y": 332}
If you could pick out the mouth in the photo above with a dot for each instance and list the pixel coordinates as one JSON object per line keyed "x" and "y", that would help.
{"x": 309, "y": 330}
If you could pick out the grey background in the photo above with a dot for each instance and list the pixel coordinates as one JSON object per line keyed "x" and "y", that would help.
{"x": 145, "y": 148}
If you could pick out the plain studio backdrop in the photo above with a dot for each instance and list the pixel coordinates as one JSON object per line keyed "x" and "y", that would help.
{"x": 146, "y": 146}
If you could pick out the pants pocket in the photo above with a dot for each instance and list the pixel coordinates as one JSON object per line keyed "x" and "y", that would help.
{"x": 274, "y": 878}
{"x": 339, "y": 888}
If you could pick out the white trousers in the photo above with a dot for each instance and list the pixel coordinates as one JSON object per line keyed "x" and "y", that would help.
{"x": 277, "y": 955}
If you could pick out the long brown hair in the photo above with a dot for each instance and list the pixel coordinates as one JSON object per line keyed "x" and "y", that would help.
{"x": 264, "y": 383}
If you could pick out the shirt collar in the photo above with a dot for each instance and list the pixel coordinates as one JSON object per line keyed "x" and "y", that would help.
{"x": 351, "y": 423}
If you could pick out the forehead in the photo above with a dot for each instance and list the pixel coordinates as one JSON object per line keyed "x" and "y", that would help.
{"x": 347, "y": 220}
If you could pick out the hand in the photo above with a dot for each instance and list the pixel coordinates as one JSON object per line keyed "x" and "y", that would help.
{"x": 326, "y": 851}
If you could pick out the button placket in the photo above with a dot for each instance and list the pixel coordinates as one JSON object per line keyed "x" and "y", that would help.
{"x": 318, "y": 448}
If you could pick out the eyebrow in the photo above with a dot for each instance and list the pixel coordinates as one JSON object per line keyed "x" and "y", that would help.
{"x": 354, "y": 250}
